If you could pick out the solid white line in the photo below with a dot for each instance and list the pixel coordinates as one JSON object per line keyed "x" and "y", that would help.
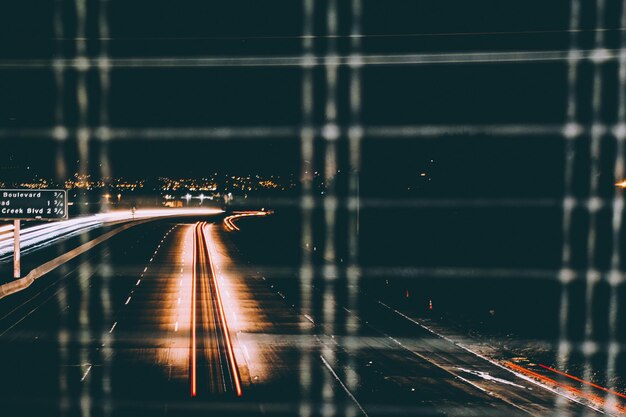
{"x": 245, "y": 352}
{"x": 86, "y": 373}
{"x": 343, "y": 386}
{"x": 491, "y": 361}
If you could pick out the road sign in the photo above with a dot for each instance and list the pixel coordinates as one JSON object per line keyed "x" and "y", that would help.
{"x": 33, "y": 204}
{"x": 30, "y": 204}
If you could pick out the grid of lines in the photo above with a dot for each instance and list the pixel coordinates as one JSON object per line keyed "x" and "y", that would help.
{"x": 333, "y": 142}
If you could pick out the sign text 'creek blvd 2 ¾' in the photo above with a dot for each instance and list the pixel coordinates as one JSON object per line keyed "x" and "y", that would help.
{"x": 33, "y": 204}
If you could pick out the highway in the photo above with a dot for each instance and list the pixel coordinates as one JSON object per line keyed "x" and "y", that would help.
{"x": 38, "y": 235}
{"x": 169, "y": 318}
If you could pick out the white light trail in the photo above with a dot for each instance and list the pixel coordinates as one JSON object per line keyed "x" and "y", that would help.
{"x": 43, "y": 234}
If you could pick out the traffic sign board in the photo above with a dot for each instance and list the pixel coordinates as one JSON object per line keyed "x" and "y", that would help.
{"x": 28, "y": 204}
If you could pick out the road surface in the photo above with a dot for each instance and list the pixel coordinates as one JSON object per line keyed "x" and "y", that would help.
{"x": 169, "y": 319}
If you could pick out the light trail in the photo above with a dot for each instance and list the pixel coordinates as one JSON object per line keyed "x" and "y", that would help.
{"x": 596, "y": 400}
{"x": 582, "y": 381}
{"x": 229, "y": 220}
{"x": 43, "y": 234}
{"x": 218, "y": 298}
{"x": 194, "y": 360}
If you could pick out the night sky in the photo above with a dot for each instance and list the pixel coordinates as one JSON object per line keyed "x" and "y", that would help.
{"x": 139, "y": 98}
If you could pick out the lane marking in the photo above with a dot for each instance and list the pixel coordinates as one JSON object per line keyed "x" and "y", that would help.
{"x": 610, "y": 391}
{"x": 488, "y": 377}
{"x": 86, "y": 373}
{"x": 245, "y": 352}
{"x": 113, "y": 327}
{"x": 343, "y": 386}
{"x": 407, "y": 349}
{"x": 491, "y": 361}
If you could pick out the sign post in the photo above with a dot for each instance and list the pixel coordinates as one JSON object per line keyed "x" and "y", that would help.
{"x": 27, "y": 204}
{"x": 16, "y": 248}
